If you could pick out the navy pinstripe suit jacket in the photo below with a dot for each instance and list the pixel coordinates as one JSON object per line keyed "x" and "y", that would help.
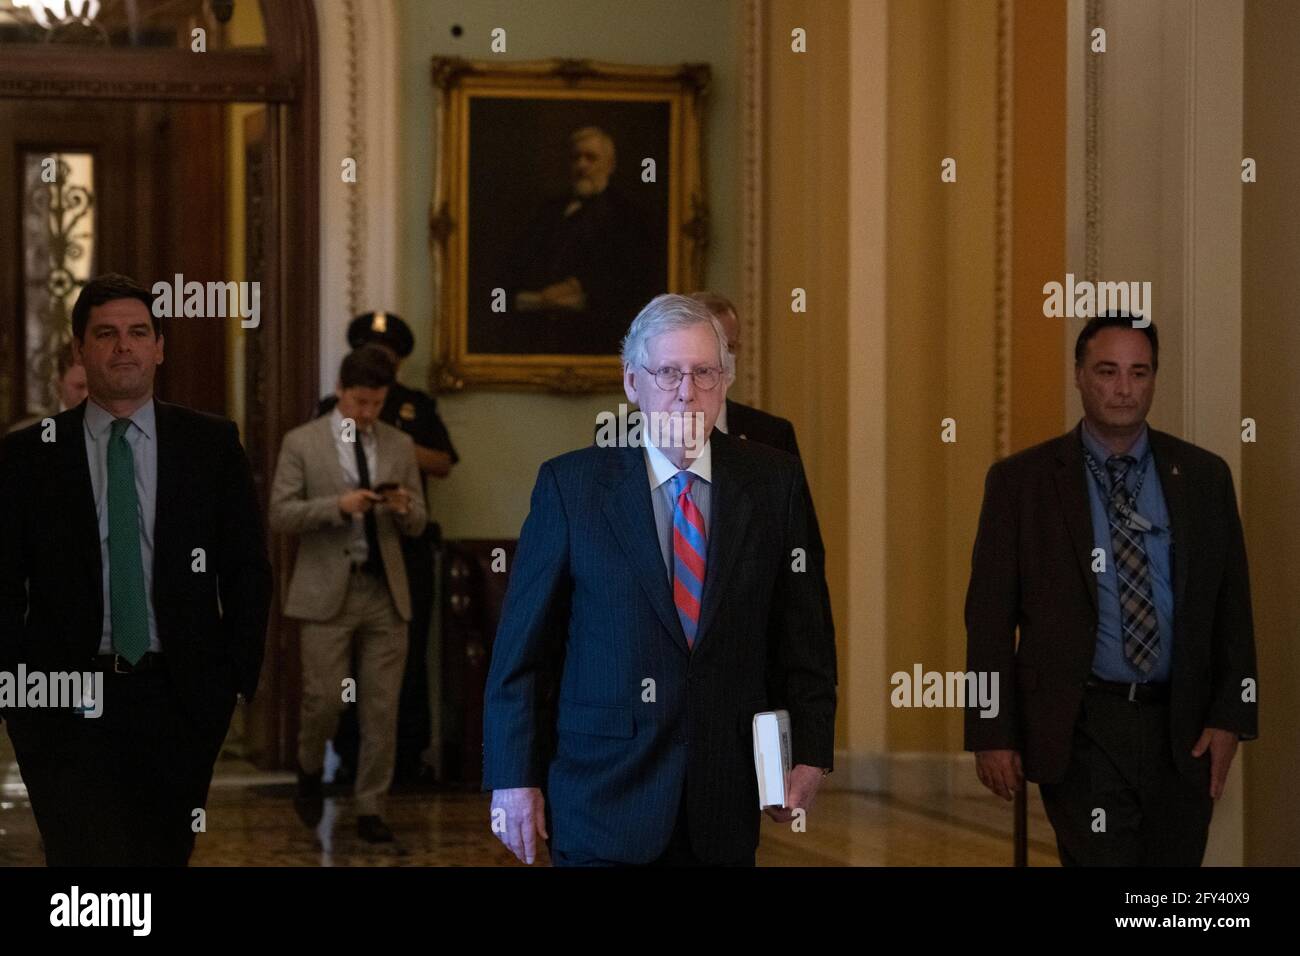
{"x": 589, "y": 601}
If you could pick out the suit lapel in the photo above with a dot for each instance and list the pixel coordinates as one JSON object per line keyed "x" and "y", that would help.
{"x": 328, "y": 451}
{"x": 1171, "y": 483}
{"x": 630, "y": 514}
{"x": 168, "y": 498}
{"x": 1072, "y": 489}
{"x": 731, "y": 507}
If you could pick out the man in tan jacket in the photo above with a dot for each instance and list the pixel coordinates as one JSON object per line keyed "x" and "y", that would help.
{"x": 348, "y": 485}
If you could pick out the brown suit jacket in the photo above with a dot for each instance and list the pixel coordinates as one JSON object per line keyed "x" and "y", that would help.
{"x": 304, "y": 501}
{"x": 1032, "y": 569}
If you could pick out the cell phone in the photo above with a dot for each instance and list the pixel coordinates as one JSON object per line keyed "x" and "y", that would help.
{"x": 386, "y": 487}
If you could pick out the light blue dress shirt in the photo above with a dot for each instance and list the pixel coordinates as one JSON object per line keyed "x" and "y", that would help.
{"x": 1109, "y": 662}
{"x": 660, "y": 471}
{"x": 142, "y": 436}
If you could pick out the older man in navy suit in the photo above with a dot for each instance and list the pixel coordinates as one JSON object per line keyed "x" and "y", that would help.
{"x": 669, "y": 586}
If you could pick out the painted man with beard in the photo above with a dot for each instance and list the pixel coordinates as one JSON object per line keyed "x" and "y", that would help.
{"x": 583, "y": 254}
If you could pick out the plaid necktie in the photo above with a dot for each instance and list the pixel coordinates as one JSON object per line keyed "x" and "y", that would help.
{"x": 690, "y": 545}
{"x": 1137, "y": 610}
{"x": 128, "y": 612}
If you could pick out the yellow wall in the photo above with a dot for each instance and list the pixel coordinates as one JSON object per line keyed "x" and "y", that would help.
{"x": 941, "y": 304}
{"x": 941, "y": 272}
{"x": 1037, "y": 391}
{"x": 1270, "y": 468}
{"x": 805, "y": 218}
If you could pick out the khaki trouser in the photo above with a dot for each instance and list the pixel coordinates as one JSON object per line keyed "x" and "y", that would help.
{"x": 368, "y": 620}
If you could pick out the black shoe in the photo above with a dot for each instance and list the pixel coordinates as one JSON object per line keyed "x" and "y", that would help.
{"x": 372, "y": 829}
{"x": 309, "y": 802}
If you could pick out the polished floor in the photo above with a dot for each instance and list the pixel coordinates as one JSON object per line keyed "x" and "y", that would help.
{"x": 251, "y": 823}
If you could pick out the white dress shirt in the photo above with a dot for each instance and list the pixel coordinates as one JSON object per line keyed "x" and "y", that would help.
{"x": 358, "y": 550}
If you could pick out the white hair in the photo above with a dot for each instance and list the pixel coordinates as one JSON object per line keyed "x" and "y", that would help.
{"x": 668, "y": 313}
{"x": 593, "y": 132}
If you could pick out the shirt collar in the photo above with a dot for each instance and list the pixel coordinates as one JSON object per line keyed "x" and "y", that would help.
{"x": 1101, "y": 453}
{"x": 660, "y": 469}
{"x": 99, "y": 419}
{"x": 336, "y": 426}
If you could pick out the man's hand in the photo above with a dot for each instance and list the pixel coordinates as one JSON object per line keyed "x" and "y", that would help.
{"x": 1000, "y": 771}
{"x": 524, "y": 820}
{"x": 398, "y": 500}
{"x": 567, "y": 294}
{"x": 1222, "y": 745}
{"x": 357, "y": 502}
{"x": 801, "y": 790}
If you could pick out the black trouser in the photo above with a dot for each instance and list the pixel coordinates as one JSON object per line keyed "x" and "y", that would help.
{"x": 119, "y": 789}
{"x": 1122, "y": 801}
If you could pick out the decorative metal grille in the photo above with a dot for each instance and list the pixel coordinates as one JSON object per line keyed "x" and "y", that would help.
{"x": 58, "y": 254}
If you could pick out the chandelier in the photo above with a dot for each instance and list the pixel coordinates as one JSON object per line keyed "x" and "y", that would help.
{"x": 56, "y": 13}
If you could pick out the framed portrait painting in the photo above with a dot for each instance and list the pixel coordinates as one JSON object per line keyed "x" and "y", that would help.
{"x": 569, "y": 194}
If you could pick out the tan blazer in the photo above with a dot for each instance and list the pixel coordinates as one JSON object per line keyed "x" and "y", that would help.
{"x": 304, "y": 501}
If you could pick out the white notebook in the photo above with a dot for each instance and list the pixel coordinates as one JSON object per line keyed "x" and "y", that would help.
{"x": 772, "y": 756}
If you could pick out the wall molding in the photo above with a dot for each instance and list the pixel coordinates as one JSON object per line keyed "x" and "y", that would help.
{"x": 1092, "y": 147}
{"x": 753, "y": 108}
{"x": 361, "y": 119}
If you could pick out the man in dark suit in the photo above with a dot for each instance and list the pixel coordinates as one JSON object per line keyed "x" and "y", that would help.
{"x": 754, "y": 424}
{"x": 1117, "y": 551}
{"x": 745, "y": 421}
{"x": 681, "y": 613}
{"x": 130, "y": 545}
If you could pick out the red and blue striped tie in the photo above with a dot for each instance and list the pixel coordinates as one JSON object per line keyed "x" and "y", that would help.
{"x": 690, "y": 545}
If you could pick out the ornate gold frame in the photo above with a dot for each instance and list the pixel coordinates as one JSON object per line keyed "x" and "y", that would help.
{"x": 684, "y": 87}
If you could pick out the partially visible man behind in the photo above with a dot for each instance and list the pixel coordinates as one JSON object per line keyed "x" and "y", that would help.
{"x": 1117, "y": 551}
{"x": 754, "y": 424}
{"x": 69, "y": 386}
{"x": 659, "y": 582}
{"x": 131, "y": 545}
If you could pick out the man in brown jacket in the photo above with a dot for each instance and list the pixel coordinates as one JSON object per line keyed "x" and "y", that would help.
{"x": 1117, "y": 551}
{"x": 348, "y": 486}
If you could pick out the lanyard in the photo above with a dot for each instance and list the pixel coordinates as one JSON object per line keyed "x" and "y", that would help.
{"x": 1127, "y": 509}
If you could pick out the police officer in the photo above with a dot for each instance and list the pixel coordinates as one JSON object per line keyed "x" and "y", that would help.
{"x": 415, "y": 413}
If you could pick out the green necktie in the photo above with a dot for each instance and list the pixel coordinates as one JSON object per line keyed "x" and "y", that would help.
{"x": 129, "y": 612}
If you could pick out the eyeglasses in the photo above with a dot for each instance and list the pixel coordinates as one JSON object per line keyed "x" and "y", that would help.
{"x": 668, "y": 378}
